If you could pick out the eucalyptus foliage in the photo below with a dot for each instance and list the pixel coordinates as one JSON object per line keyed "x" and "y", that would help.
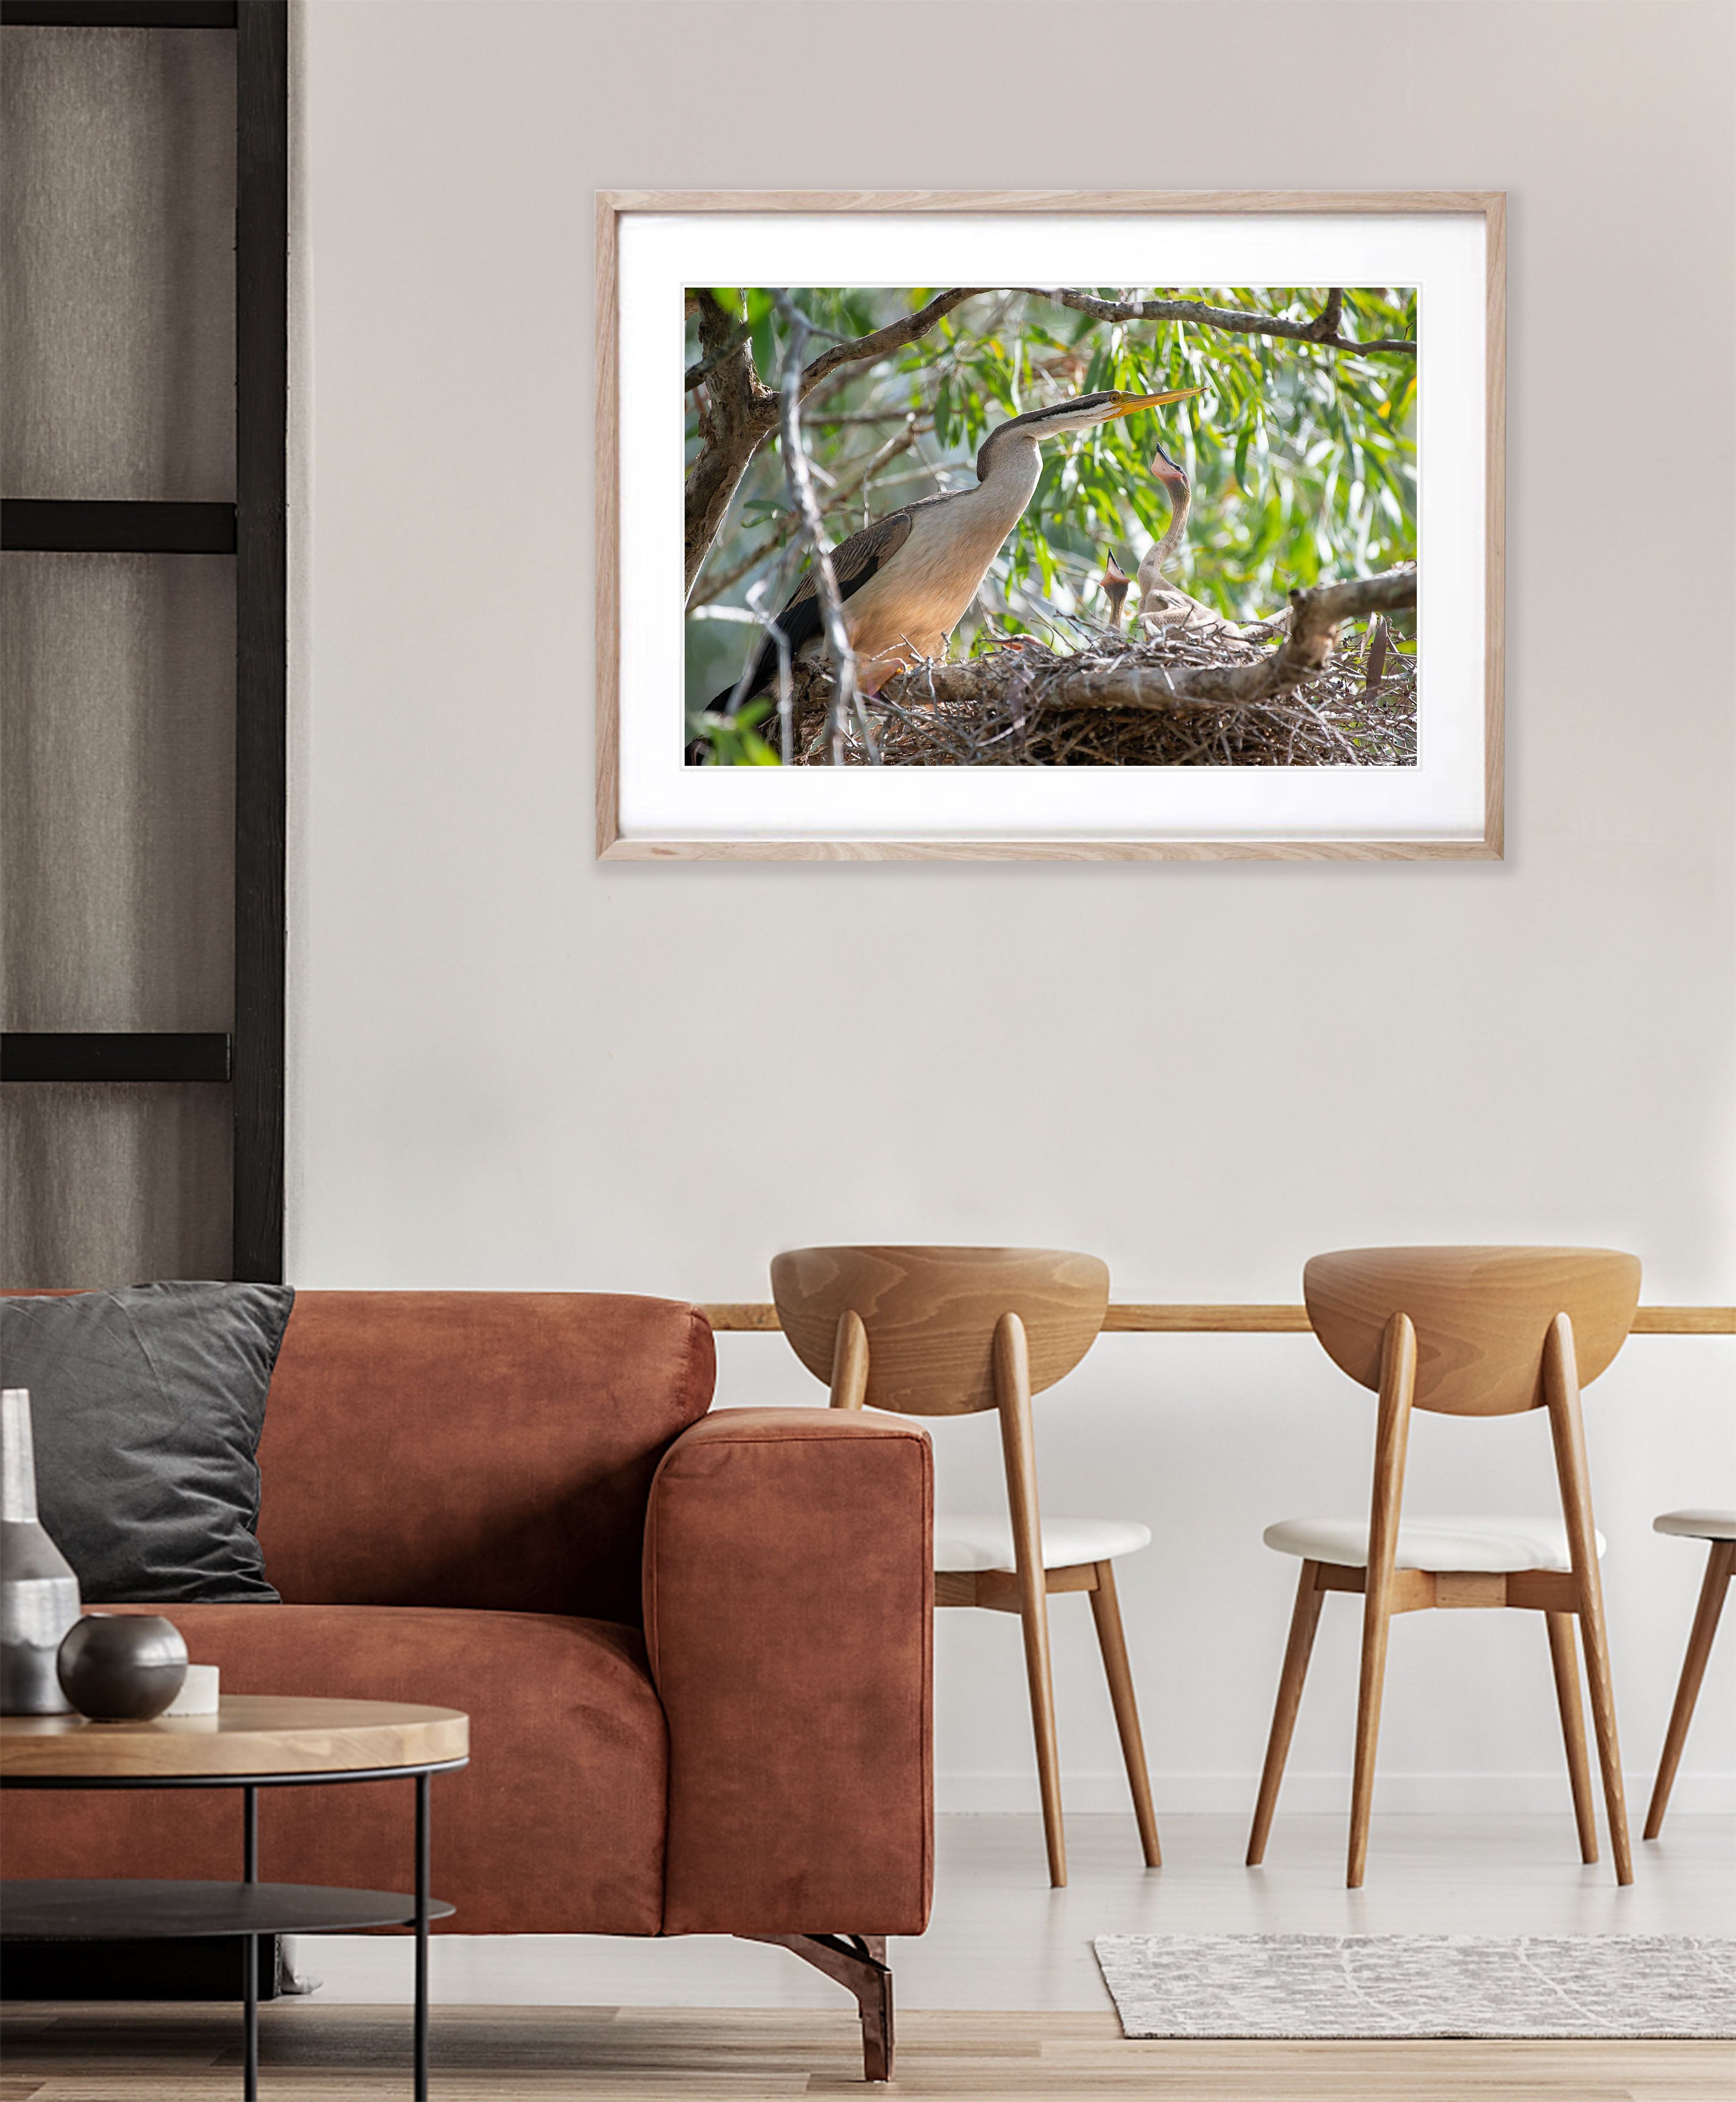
{"x": 1302, "y": 459}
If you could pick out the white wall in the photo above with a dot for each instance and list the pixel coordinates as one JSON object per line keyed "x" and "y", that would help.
{"x": 511, "y": 1066}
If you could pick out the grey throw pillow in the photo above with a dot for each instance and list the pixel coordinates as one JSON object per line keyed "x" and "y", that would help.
{"x": 146, "y": 1405}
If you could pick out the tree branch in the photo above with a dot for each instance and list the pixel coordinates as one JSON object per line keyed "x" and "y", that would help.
{"x": 716, "y": 583}
{"x": 1132, "y": 682}
{"x": 697, "y": 374}
{"x": 894, "y": 336}
{"x": 1332, "y": 317}
{"x": 802, "y": 500}
{"x": 737, "y": 412}
{"x": 1323, "y": 329}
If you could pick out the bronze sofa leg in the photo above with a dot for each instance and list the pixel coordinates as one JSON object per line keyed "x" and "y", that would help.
{"x": 859, "y": 1961}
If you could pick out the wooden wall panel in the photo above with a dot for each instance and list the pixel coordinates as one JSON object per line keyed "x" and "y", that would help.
{"x": 117, "y": 328}
{"x": 113, "y": 1185}
{"x": 117, "y": 790}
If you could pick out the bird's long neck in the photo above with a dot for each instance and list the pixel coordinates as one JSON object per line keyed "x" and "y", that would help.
{"x": 1181, "y": 498}
{"x": 1009, "y": 468}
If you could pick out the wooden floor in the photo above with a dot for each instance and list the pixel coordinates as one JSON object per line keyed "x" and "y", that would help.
{"x": 349, "y": 2054}
{"x": 704, "y": 2017}
{"x": 1001, "y": 1938}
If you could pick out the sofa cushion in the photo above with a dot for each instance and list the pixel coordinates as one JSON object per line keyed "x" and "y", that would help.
{"x": 146, "y": 1405}
{"x": 474, "y": 1449}
{"x": 556, "y": 1827}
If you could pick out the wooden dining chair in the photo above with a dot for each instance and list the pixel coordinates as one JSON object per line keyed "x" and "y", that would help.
{"x": 1717, "y": 1527}
{"x": 951, "y": 1331}
{"x": 1465, "y": 1332}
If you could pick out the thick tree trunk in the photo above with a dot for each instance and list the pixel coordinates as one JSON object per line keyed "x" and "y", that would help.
{"x": 735, "y": 412}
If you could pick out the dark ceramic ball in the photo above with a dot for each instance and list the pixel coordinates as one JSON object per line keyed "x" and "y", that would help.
{"x": 121, "y": 1667}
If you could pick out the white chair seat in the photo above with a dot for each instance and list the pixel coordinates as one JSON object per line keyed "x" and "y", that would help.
{"x": 1491, "y": 1545}
{"x": 1698, "y": 1524}
{"x": 987, "y": 1543}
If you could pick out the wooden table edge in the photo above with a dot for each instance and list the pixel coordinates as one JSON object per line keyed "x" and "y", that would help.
{"x": 1132, "y": 1317}
{"x": 414, "y": 1737}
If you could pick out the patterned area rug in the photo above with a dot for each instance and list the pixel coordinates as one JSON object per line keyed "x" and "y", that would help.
{"x": 1291, "y": 1985}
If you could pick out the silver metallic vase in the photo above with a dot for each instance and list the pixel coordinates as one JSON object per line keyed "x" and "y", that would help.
{"x": 38, "y": 1592}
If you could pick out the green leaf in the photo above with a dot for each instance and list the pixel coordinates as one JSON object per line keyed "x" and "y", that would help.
{"x": 943, "y": 417}
{"x": 1303, "y": 463}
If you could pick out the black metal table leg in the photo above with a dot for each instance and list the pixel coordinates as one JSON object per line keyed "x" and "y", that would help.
{"x": 424, "y": 1785}
{"x": 214, "y": 1913}
{"x": 250, "y": 1950}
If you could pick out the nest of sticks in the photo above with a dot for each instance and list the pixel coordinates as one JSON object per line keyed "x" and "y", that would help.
{"x": 1023, "y": 705}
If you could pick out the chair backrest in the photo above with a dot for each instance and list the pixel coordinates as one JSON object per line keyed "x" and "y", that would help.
{"x": 1480, "y": 1316}
{"x": 930, "y": 1315}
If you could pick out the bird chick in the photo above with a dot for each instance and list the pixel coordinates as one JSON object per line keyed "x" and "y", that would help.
{"x": 1164, "y": 606}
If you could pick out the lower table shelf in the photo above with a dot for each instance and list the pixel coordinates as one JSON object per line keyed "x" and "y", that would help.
{"x": 255, "y": 1741}
{"x": 89, "y": 1909}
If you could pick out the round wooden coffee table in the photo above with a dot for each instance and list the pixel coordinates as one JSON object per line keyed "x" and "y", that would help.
{"x": 255, "y": 1741}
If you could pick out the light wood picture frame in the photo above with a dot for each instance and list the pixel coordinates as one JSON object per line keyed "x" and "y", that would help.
{"x": 1449, "y": 806}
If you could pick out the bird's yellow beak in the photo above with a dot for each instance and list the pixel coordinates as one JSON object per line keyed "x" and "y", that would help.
{"x": 1151, "y": 402}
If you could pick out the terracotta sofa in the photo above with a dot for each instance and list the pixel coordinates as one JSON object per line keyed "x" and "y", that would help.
{"x": 694, "y": 1648}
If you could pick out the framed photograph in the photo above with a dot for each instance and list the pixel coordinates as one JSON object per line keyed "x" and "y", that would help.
{"x": 1179, "y": 537}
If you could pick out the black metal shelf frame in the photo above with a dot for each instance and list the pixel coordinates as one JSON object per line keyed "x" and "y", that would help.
{"x": 95, "y": 526}
{"x": 115, "y": 1054}
{"x": 253, "y": 531}
{"x": 119, "y": 14}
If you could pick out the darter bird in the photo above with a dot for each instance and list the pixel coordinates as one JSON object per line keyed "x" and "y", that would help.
{"x": 907, "y": 579}
{"x": 1166, "y": 606}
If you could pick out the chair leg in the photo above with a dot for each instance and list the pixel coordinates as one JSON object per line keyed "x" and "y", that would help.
{"x": 1376, "y": 1620}
{"x": 1567, "y": 1433}
{"x": 1559, "y": 1626}
{"x": 1303, "y": 1621}
{"x": 1392, "y": 1432}
{"x": 1718, "y": 1565}
{"x": 1602, "y": 1693}
{"x": 1019, "y": 1454}
{"x": 1105, "y": 1609}
{"x": 1033, "y": 1616}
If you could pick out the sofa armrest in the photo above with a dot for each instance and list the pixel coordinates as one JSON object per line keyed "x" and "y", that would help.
{"x": 789, "y": 1608}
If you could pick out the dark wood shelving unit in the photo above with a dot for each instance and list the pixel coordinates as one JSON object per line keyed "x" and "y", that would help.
{"x": 252, "y": 530}
{"x": 116, "y": 1054}
{"x": 95, "y": 526}
{"x": 262, "y": 401}
{"x": 119, "y": 14}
